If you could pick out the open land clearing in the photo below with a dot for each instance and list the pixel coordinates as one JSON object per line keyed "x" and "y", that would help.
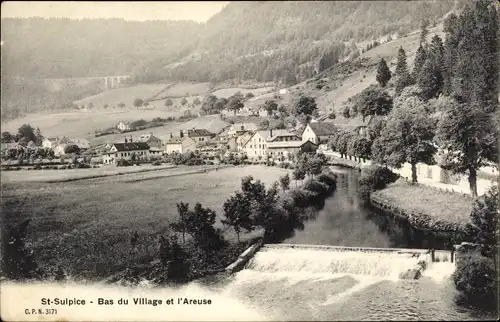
{"x": 86, "y": 225}
{"x": 442, "y": 206}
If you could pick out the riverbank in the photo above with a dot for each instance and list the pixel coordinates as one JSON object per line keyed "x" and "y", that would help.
{"x": 425, "y": 208}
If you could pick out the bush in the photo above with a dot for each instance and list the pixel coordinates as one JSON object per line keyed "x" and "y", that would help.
{"x": 476, "y": 278}
{"x": 157, "y": 162}
{"x": 374, "y": 178}
{"x": 123, "y": 163}
{"x": 37, "y": 167}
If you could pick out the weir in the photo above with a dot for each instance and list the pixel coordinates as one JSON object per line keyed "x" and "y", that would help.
{"x": 322, "y": 259}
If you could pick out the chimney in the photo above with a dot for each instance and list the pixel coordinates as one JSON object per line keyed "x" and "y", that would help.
{"x": 242, "y": 127}
{"x": 171, "y": 136}
{"x": 126, "y": 140}
{"x": 181, "y": 134}
{"x": 131, "y": 139}
{"x": 271, "y": 132}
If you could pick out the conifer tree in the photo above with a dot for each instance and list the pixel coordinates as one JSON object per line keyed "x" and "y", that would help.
{"x": 452, "y": 30}
{"x": 383, "y": 73}
{"x": 403, "y": 77}
{"x": 419, "y": 61}
{"x": 401, "y": 66}
{"x": 430, "y": 77}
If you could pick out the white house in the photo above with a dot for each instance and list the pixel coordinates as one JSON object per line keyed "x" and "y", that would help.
{"x": 318, "y": 132}
{"x": 123, "y": 126}
{"x": 126, "y": 151}
{"x": 256, "y": 146}
{"x": 180, "y": 145}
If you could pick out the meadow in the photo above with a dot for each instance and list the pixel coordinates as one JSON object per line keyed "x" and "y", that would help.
{"x": 83, "y": 124}
{"x": 447, "y": 207}
{"x": 85, "y": 226}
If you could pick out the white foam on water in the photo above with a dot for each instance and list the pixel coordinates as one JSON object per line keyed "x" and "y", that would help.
{"x": 439, "y": 271}
{"x": 17, "y": 297}
{"x": 316, "y": 261}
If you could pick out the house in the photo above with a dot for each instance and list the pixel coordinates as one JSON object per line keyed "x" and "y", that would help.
{"x": 83, "y": 144}
{"x": 285, "y": 150}
{"x": 200, "y": 135}
{"x": 48, "y": 142}
{"x": 151, "y": 140}
{"x": 318, "y": 132}
{"x": 256, "y": 146}
{"x": 357, "y": 124}
{"x": 155, "y": 152}
{"x": 181, "y": 144}
{"x": 241, "y": 128}
{"x": 123, "y": 126}
{"x": 59, "y": 146}
{"x": 126, "y": 151}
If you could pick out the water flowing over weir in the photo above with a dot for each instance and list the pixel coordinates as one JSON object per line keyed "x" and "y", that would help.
{"x": 332, "y": 261}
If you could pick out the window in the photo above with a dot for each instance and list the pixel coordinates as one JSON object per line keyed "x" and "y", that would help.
{"x": 259, "y": 146}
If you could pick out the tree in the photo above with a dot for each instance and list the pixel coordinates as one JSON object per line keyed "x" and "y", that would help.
{"x": 430, "y": 78}
{"x": 237, "y": 214}
{"x": 469, "y": 136}
{"x": 249, "y": 95}
{"x": 424, "y": 31}
{"x": 373, "y": 101}
{"x": 38, "y": 136}
{"x": 452, "y": 30}
{"x": 7, "y": 137}
{"x": 183, "y": 101}
{"x": 121, "y": 105}
{"x": 401, "y": 66}
{"x": 407, "y": 137}
{"x": 298, "y": 174}
{"x": 285, "y": 182}
{"x": 208, "y": 104}
{"x": 418, "y": 63}
{"x": 105, "y": 106}
{"x": 26, "y": 132}
{"x": 403, "y": 76}
{"x": 168, "y": 102}
{"x": 235, "y": 104}
{"x": 196, "y": 101}
{"x": 484, "y": 219}
{"x": 182, "y": 225}
{"x": 305, "y": 105}
{"x": 138, "y": 102}
{"x": 476, "y": 71}
{"x": 174, "y": 259}
{"x": 383, "y": 73}
{"x": 72, "y": 148}
{"x": 270, "y": 106}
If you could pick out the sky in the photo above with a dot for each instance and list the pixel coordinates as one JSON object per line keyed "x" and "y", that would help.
{"x": 199, "y": 11}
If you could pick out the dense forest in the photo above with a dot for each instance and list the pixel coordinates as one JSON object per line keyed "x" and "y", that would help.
{"x": 248, "y": 40}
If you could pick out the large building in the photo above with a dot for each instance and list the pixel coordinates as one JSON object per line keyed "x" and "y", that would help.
{"x": 180, "y": 145}
{"x": 256, "y": 147}
{"x": 126, "y": 151}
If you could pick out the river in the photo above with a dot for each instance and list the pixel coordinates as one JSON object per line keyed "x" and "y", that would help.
{"x": 310, "y": 284}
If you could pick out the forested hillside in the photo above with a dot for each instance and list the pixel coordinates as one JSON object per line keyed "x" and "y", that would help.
{"x": 61, "y": 48}
{"x": 247, "y": 40}
{"x": 265, "y": 41}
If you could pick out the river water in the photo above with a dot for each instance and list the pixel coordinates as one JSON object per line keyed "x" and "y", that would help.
{"x": 292, "y": 284}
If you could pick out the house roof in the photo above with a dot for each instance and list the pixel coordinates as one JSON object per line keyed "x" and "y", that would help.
{"x": 351, "y": 123}
{"x": 146, "y": 137}
{"x": 154, "y": 149}
{"x": 266, "y": 134}
{"x": 323, "y": 128}
{"x": 51, "y": 139}
{"x": 131, "y": 146}
{"x": 199, "y": 132}
{"x": 287, "y": 144}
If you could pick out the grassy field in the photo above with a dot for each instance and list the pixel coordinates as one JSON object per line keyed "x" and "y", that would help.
{"x": 85, "y": 226}
{"x": 83, "y": 124}
{"x": 226, "y": 92}
{"x": 126, "y": 95}
{"x": 443, "y": 206}
{"x": 61, "y": 175}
